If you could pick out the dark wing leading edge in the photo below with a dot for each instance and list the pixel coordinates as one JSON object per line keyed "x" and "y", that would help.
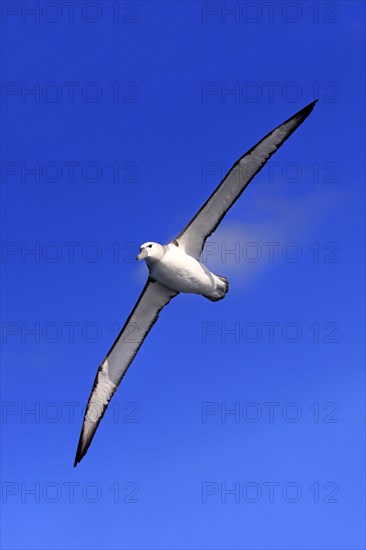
{"x": 111, "y": 371}
{"x": 204, "y": 223}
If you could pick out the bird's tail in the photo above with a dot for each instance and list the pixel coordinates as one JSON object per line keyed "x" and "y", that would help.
{"x": 222, "y": 288}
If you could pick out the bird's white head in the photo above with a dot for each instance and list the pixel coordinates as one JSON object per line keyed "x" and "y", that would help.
{"x": 151, "y": 251}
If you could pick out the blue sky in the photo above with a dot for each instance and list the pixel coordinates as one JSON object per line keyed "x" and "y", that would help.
{"x": 240, "y": 423}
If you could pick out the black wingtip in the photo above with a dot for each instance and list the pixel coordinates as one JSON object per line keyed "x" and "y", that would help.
{"x": 312, "y": 104}
{"x": 307, "y": 110}
{"x": 297, "y": 119}
{"x": 81, "y": 450}
{"x": 79, "y": 457}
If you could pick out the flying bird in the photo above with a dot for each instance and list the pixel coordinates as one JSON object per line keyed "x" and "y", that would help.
{"x": 175, "y": 268}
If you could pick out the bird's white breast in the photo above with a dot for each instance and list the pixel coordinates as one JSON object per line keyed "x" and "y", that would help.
{"x": 182, "y": 273}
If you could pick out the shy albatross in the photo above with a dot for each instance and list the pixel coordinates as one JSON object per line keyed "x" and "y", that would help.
{"x": 175, "y": 268}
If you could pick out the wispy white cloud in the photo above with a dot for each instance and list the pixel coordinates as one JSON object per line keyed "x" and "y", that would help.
{"x": 243, "y": 250}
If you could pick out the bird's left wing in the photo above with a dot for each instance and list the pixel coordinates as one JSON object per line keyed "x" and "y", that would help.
{"x": 111, "y": 371}
{"x": 204, "y": 223}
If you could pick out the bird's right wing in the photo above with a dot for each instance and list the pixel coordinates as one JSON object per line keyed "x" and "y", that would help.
{"x": 111, "y": 371}
{"x": 204, "y": 223}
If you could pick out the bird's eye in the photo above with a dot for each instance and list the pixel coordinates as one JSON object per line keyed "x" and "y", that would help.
{"x": 149, "y": 246}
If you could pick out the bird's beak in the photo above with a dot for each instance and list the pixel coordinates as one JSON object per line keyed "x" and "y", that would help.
{"x": 142, "y": 255}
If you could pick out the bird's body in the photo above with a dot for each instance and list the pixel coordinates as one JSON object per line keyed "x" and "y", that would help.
{"x": 176, "y": 268}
